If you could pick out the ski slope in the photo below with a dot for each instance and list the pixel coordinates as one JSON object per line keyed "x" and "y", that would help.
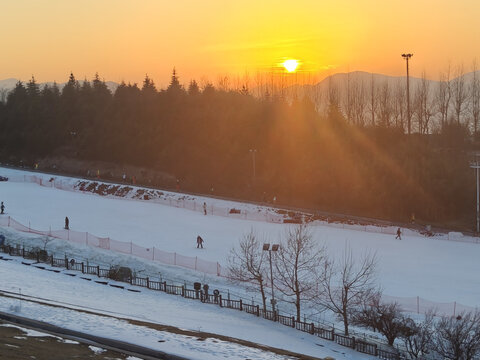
{"x": 431, "y": 268}
{"x": 434, "y": 268}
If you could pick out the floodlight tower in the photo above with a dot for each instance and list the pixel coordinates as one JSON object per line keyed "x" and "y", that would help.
{"x": 407, "y": 57}
{"x": 266, "y": 247}
{"x": 476, "y": 165}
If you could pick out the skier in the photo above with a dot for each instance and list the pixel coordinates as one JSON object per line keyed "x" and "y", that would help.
{"x": 67, "y": 222}
{"x": 399, "y": 233}
{"x": 199, "y": 242}
{"x": 2, "y": 208}
{"x": 204, "y": 208}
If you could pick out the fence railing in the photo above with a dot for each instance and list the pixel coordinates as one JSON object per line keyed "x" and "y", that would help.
{"x": 216, "y": 298}
{"x": 152, "y": 254}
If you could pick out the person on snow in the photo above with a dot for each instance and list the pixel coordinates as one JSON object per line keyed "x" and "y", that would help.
{"x": 67, "y": 223}
{"x": 2, "y": 208}
{"x": 399, "y": 233}
{"x": 199, "y": 242}
{"x": 204, "y": 208}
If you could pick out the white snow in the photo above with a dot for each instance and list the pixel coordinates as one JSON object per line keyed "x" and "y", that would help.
{"x": 433, "y": 268}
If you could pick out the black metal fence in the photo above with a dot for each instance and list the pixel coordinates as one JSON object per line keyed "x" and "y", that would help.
{"x": 40, "y": 256}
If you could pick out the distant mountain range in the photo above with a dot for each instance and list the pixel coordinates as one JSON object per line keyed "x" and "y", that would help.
{"x": 339, "y": 81}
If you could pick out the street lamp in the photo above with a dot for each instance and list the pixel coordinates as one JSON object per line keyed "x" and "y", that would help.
{"x": 266, "y": 247}
{"x": 407, "y": 57}
{"x": 253, "y": 152}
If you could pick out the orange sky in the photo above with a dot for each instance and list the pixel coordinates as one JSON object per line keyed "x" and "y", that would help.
{"x": 124, "y": 39}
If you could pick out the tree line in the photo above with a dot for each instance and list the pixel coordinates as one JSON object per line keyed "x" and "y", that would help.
{"x": 307, "y": 276}
{"x": 343, "y": 150}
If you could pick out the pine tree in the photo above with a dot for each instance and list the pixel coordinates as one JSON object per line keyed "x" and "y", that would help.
{"x": 193, "y": 88}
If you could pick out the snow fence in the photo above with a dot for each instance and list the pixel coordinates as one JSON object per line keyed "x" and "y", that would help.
{"x": 153, "y": 254}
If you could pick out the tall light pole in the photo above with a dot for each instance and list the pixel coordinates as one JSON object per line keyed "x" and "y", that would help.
{"x": 253, "y": 152}
{"x": 266, "y": 247}
{"x": 407, "y": 57}
{"x": 475, "y": 165}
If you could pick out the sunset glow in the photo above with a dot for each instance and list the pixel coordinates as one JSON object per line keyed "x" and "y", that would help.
{"x": 124, "y": 40}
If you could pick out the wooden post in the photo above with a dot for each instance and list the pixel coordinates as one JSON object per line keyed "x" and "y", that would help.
{"x": 258, "y": 310}
{"x": 220, "y": 300}
{"x": 66, "y": 263}
{"x": 312, "y": 329}
{"x": 183, "y": 291}
{"x": 83, "y": 268}
{"x": 241, "y": 307}
{"x": 293, "y": 321}
{"x": 148, "y": 283}
{"x": 165, "y": 286}
{"x": 353, "y": 342}
{"x": 98, "y": 270}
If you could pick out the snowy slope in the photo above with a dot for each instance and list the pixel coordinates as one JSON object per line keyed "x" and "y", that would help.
{"x": 432, "y": 268}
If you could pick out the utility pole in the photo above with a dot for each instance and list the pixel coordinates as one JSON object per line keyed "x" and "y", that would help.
{"x": 253, "y": 152}
{"x": 407, "y": 57}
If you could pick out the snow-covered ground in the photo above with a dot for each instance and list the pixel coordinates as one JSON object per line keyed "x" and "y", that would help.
{"x": 70, "y": 293}
{"x": 434, "y": 268}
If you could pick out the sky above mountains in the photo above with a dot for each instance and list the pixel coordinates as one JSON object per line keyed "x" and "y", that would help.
{"x": 124, "y": 40}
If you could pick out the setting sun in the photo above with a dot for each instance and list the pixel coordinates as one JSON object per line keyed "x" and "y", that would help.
{"x": 290, "y": 65}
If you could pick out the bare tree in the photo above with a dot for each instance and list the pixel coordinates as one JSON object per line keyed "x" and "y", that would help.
{"x": 223, "y": 83}
{"x": 386, "y": 318}
{"x": 373, "y": 101}
{"x": 384, "y": 111}
{"x": 443, "y": 96}
{"x": 359, "y": 103}
{"x": 423, "y": 108}
{"x": 298, "y": 265}
{"x": 348, "y": 100}
{"x": 458, "y": 338}
{"x": 418, "y": 338}
{"x": 245, "y": 264}
{"x": 475, "y": 97}
{"x": 348, "y": 285}
{"x": 398, "y": 104}
{"x": 459, "y": 92}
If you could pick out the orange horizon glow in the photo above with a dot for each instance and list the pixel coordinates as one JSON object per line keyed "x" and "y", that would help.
{"x": 124, "y": 40}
